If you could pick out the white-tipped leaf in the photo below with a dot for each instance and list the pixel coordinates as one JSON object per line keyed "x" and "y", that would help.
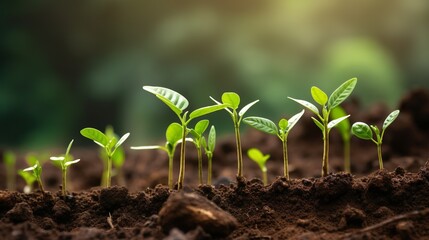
{"x": 247, "y": 107}
{"x": 30, "y": 168}
{"x": 362, "y": 130}
{"x": 307, "y": 105}
{"x": 293, "y": 120}
{"x": 389, "y": 119}
{"x": 71, "y": 162}
{"x": 173, "y": 99}
{"x": 334, "y": 122}
{"x": 122, "y": 140}
{"x": 57, "y": 158}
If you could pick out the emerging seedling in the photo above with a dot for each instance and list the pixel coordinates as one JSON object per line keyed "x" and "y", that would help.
{"x": 29, "y": 180}
{"x": 177, "y": 103}
{"x": 9, "y": 159}
{"x": 266, "y": 125}
{"x": 174, "y": 137}
{"x": 197, "y": 134}
{"x": 209, "y": 147}
{"x": 118, "y": 159}
{"x": 344, "y": 129}
{"x": 261, "y": 159}
{"x": 65, "y": 161}
{"x": 232, "y": 100}
{"x": 109, "y": 144}
{"x": 363, "y": 131}
{"x": 328, "y": 104}
{"x": 37, "y": 173}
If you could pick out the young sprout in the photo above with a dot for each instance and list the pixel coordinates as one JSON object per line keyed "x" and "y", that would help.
{"x": 29, "y": 180}
{"x": 109, "y": 144}
{"x": 363, "y": 131}
{"x": 118, "y": 160}
{"x": 328, "y": 104}
{"x": 9, "y": 159}
{"x": 174, "y": 137}
{"x": 232, "y": 100}
{"x": 282, "y": 132}
{"x": 197, "y": 134}
{"x": 37, "y": 173}
{"x": 177, "y": 103}
{"x": 261, "y": 159}
{"x": 209, "y": 147}
{"x": 65, "y": 161}
{"x": 344, "y": 129}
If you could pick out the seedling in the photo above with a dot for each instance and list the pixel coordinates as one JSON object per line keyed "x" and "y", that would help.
{"x": 174, "y": 137}
{"x": 266, "y": 125}
{"x": 109, "y": 144}
{"x": 37, "y": 173}
{"x": 177, "y": 103}
{"x": 328, "y": 104}
{"x": 118, "y": 159}
{"x": 232, "y": 100}
{"x": 363, "y": 131}
{"x": 344, "y": 129}
{"x": 197, "y": 134}
{"x": 261, "y": 159}
{"x": 65, "y": 161}
{"x": 29, "y": 180}
{"x": 209, "y": 147}
{"x": 9, "y": 159}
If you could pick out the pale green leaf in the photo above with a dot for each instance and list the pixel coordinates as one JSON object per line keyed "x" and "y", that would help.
{"x": 257, "y": 156}
{"x": 341, "y": 93}
{"x": 201, "y": 126}
{"x": 122, "y": 140}
{"x": 307, "y": 105}
{"x": 219, "y": 103}
{"x": 319, "y": 96}
{"x": 57, "y": 158}
{"x": 71, "y": 162}
{"x": 318, "y": 124}
{"x": 68, "y": 149}
{"x": 205, "y": 110}
{"x": 95, "y": 135}
{"x": 362, "y": 130}
{"x": 211, "y": 140}
{"x": 175, "y": 98}
{"x": 262, "y": 124}
{"x": 283, "y": 123}
{"x": 247, "y": 107}
{"x": 147, "y": 147}
{"x": 173, "y": 134}
{"x": 334, "y": 122}
{"x": 231, "y": 99}
{"x": 344, "y": 126}
{"x": 389, "y": 119}
{"x": 294, "y": 119}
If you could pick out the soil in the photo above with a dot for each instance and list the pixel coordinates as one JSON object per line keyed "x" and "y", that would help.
{"x": 368, "y": 204}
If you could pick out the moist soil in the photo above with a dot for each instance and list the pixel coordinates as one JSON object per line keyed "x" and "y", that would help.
{"x": 369, "y": 203}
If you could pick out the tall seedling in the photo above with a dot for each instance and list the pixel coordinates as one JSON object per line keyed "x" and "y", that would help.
{"x": 266, "y": 125}
{"x": 209, "y": 147}
{"x": 177, "y": 103}
{"x": 174, "y": 137}
{"x": 344, "y": 128}
{"x": 327, "y": 104}
{"x": 232, "y": 100}
{"x": 118, "y": 160}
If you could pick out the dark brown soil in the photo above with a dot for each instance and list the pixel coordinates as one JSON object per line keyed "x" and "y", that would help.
{"x": 370, "y": 204}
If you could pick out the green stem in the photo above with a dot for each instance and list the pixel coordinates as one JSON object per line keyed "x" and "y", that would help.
{"x": 182, "y": 159}
{"x": 39, "y": 181}
{"x": 325, "y": 166}
{"x": 209, "y": 170}
{"x": 347, "y": 165}
{"x": 10, "y": 177}
{"x": 264, "y": 178}
{"x": 239, "y": 153}
{"x": 200, "y": 165}
{"x": 285, "y": 159}
{"x": 170, "y": 171}
{"x": 104, "y": 175}
{"x": 64, "y": 178}
{"x": 380, "y": 157}
{"x": 109, "y": 170}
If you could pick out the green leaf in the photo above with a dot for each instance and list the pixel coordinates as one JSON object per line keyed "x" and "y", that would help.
{"x": 71, "y": 162}
{"x": 205, "y": 110}
{"x": 122, "y": 140}
{"x": 319, "y": 96}
{"x": 318, "y": 124}
{"x": 211, "y": 140}
{"x": 29, "y": 178}
{"x": 362, "y": 130}
{"x": 392, "y": 116}
{"x": 118, "y": 158}
{"x": 307, "y": 105}
{"x": 219, "y": 103}
{"x": 283, "y": 124}
{"x": 341, "y": 93}
{"x": 68, "y": 149}
{"x": 201, "y": 126}
{"x": 231, "y": 99}
{"x": 247, "y": 107}
{"x": 95, "y": 135}
{"x": 343, "y": 126}
{"x": 173, "y": 99}
{"x": 173, "y": 134}
{"x": 334, "y": 122}
{"x": 257, "y": 156}
{"x": 262, "y": 124}
{"x": 294, "y": 119}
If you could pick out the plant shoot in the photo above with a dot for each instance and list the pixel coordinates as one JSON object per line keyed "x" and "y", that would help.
{"x": 209, "y": 148}
{"x": 36, "y": 171}
{"x": 261, "y": 159}
{"x": 344, "y": 128}
{"x": 197, "y": 134}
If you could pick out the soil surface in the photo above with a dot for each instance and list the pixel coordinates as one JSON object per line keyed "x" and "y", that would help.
{"x": 367, "y": 204}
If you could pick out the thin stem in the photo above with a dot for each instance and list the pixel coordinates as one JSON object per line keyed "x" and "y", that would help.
{"x": 380, "y": 157}
{"x": 347, "y": 165}
{"x": 104, "y": 175}
{"x": 109, "y": 170}
{"x": 182, "y": 159}
{"x": 39, "y": 181}
{"x": 285, "y": 159}
{"x": 325, "y": 166}
{"x": 200, "y": 165}
{"x": 170, "y": 171}
{"x": 264, "y": 177}
{"x": 209, "y": 170}
{"x": 63, "y": 189}
{"x": 239, "y": 153}
{"x": 10, "y": 177}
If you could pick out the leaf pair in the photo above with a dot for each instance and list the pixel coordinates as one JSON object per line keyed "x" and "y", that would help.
{"x": 232, "y": 101}
{"x": 364, "y": 131}
{"x": 110, "y": 144}
{"x": 65, "y": 160}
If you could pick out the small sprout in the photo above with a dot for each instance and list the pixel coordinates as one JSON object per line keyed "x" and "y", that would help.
{"x": 363, "y": 131}
{"x": 9, "y": 159}
{"x": 174, "y": 137}
{"x": 261, "y": 159}
{"x": 197, "y": 134}
{"x": 344, "y": 129}
{"x": 29, "y": 179}
{"x": 232, "y": 100}
{"x": 177, "y": 103}
{"x": 118, "y": 160}
{"x": 37, "y": 173}
{"x": 209, "y": 147}
{"x": 65, "y": 161}
{"x": 109, "y": 144}
{"x": 282, "y": 132}
{"x": 327, "y": 105}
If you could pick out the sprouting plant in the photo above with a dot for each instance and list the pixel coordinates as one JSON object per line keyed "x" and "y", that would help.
{"x": 118, "y": 159}
{"x": 174, "y": 137}
{"x": 328, "y": 104}
{"x": 344, "y": 129}
{"x": 266, "y": 125}
{"x": 29, "y": 180}
{"x": 363, "y": 131}
{"x": 65, "y": 161}
{"x": 209, "y": 147}
{"x": 37, "y": 173}
{"x": 232, "y": 100}
{"x": 261, "y": 159}
{"x": 9, "y": 159}
{"x": 197, "y": 134}
{"x": 109, "y": 144}
{"x": 177, "y": 103}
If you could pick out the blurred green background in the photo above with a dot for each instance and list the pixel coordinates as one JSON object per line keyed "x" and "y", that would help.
{"x": 66, "y": 65}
